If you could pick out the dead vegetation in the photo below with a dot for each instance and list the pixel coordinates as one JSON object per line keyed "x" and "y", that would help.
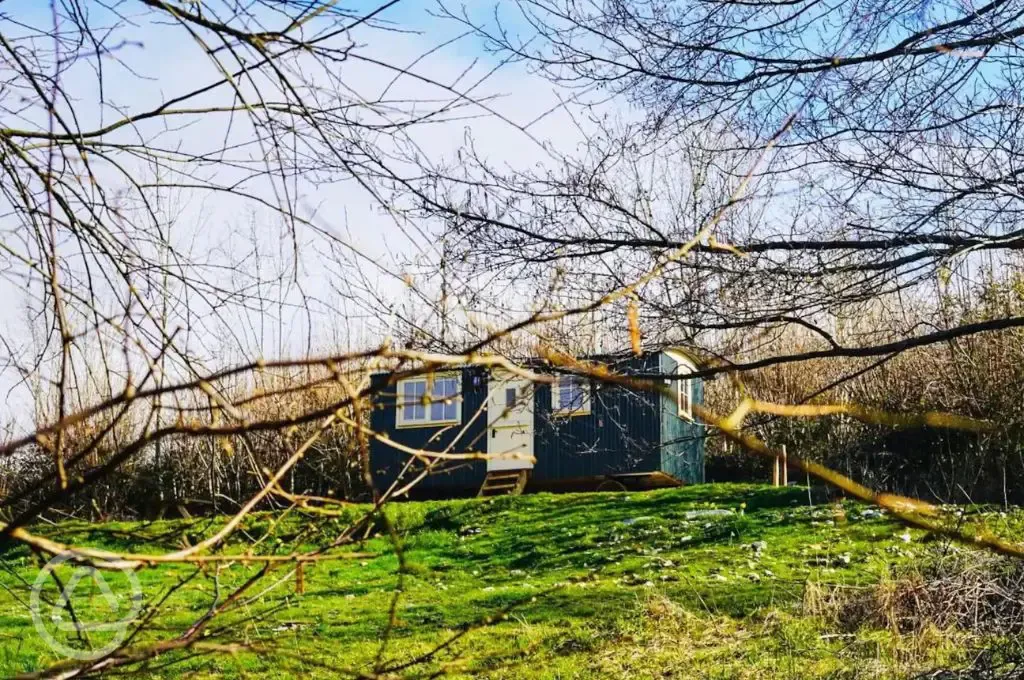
{"x": 183, "y": 474}
{"x": 952, "y": 589}
{"x": 979, "y": 376}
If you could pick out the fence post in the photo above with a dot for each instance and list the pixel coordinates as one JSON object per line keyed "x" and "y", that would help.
{"x": 785, "y": 466}
{"x": 775, "y": 472}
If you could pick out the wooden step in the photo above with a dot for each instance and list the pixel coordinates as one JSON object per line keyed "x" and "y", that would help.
{"x": 504, "y": 483}
{"x": 491, "y": 491}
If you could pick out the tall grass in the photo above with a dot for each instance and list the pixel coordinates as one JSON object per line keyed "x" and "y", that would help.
{"x": 185, "y": 474}
{"x": 980, "y": 376}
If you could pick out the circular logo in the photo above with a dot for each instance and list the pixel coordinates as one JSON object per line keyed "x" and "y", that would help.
{"x": 100, "y": 619}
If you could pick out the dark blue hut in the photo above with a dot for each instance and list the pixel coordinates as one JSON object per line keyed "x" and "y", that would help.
{"x": 581, "y": 434}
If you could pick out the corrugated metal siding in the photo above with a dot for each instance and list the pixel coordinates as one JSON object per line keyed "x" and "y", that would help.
{"x": 387, "y": 462}
{"x": 626, "y": 431}
{"x": 682, "y": 440}
{"x": 621, "y": 433}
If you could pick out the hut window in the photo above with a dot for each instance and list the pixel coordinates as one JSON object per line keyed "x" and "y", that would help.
{"x": 429, "y": 401}
{"x": 570, "y": 396}
{"x": 684, "y": 395}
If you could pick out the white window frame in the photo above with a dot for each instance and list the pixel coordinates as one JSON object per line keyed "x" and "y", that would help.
{"x": 684, "y": 387}
{"x": 684, "y": 366}
{"x": 429, "y": 382}
{"x": 556, "y": 391}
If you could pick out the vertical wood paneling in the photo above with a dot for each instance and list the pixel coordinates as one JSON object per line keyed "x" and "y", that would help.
{"x": 626, "y": 431}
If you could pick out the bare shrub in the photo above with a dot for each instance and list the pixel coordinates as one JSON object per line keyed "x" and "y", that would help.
{"x": 971, "y": 591}
{"x": 978, "y": 376}
{"x": 183, "y": 474}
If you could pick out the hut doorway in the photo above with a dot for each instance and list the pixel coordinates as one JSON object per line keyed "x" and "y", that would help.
{"x": 510, "y": 400}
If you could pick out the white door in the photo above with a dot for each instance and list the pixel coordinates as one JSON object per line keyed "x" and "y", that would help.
{"x": 509, "y": 421}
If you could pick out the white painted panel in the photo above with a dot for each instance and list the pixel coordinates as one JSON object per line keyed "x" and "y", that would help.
{"x": 502, "y": 408}
{"x": 510, "y": 440}
{"x": 509, "y": 420}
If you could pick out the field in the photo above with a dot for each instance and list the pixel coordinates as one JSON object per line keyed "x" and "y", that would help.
{"x": 715, "y": 581}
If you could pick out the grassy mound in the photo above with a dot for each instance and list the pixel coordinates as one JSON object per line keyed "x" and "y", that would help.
{"x": 715, "y": 581}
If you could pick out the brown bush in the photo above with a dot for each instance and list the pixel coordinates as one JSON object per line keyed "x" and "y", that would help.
{"x": 966, "y": 590}
{"x": 195, "y": 475}
{"x": 980, "y": 376}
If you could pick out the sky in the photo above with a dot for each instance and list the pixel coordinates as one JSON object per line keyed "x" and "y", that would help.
{"x": 345, "y": 279}
{"x": 152, "y": 64}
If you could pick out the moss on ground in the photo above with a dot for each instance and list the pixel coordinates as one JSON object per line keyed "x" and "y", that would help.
{"x": 701, "y": 582}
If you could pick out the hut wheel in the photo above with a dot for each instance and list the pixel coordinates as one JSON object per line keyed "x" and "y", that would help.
{"x": 611, "y": 485}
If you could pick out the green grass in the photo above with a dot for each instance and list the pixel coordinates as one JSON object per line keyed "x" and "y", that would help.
{"x": 548, "y": 586}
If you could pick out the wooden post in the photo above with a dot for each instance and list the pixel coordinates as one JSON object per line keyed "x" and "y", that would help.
{"x": 300, "y": 578}
{"x": 785, "y": 466}
{"x": 775, "y": 472}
